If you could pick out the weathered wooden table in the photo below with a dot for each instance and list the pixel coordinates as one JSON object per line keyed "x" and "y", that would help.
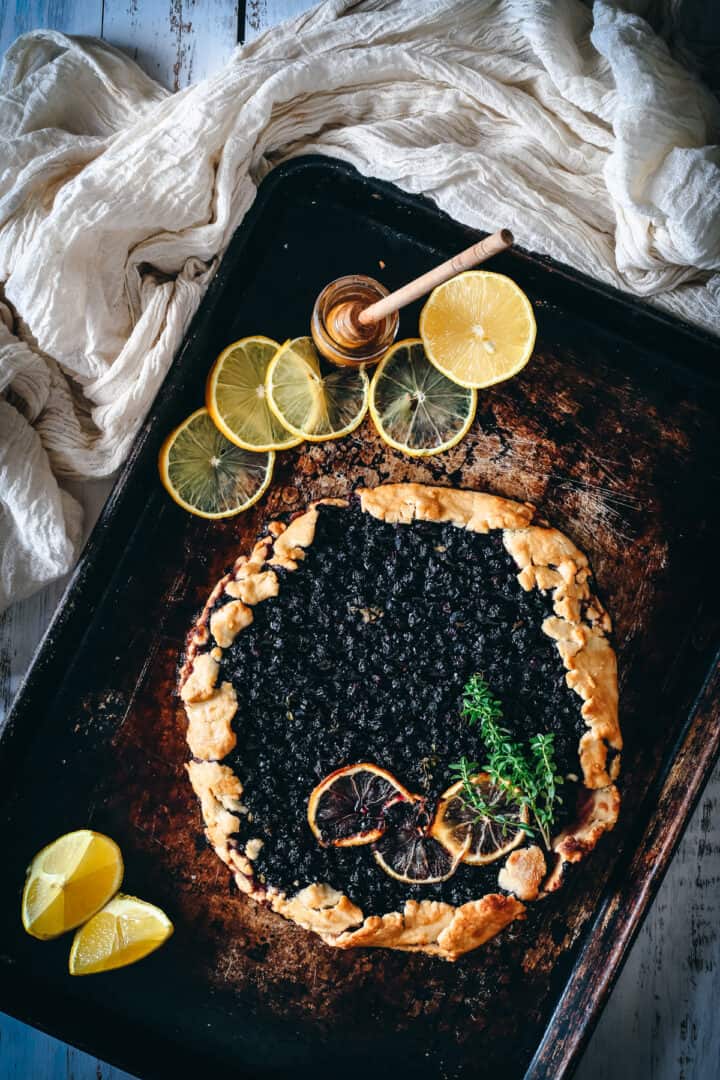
{"x": 662, "y": 1020}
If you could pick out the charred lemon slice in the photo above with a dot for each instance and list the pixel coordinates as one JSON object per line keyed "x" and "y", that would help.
{"x": 407, "y": 852}
{"x": 460, "y": 828}
{"x": 349, "y": 807}
{"x": 68, "y": 881}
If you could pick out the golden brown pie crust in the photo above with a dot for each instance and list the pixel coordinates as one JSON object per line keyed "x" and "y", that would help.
{"x": 547, "y": 560}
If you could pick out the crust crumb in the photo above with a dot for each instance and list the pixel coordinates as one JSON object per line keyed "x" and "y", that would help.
{"x": 253, "y": 848}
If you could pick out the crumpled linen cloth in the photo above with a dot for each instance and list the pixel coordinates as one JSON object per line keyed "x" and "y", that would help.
{"x": 575, "y": 128}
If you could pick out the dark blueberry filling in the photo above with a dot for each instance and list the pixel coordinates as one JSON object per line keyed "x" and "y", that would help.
{"x": 363, "y": 657}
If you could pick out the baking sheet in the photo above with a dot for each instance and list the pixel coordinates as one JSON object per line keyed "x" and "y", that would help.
{"x": 612, "y": 431}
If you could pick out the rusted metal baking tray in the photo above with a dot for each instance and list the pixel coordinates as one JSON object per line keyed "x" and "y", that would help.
{"x": 612, "y": 430}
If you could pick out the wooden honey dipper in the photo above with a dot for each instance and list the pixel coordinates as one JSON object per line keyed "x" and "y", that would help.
{"x": 352, "y": 325}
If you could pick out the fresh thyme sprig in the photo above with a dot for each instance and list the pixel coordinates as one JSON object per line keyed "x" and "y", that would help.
{"x": 542, "y": 748}
{"x": 529, "y": 779}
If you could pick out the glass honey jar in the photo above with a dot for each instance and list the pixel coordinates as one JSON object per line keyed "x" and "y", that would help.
{"x": 336, "y": 330}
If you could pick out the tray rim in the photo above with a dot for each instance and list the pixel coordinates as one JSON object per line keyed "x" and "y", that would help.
{"x": 562, "y": 1044}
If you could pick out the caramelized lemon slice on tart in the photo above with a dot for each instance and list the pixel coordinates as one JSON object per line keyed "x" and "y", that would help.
{"x": 349, "y": 806}
{"x": 407, "y": 851}
{"x": 463, "y": 831}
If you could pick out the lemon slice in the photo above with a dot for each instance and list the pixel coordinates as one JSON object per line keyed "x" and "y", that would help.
{"x": 68, "y": 881}
{"x": 312, "y": 405}
{"x": 349, "y": 806}
{"x": 207, "y": 474}
{"x": 407, "y": 852}
{"x": 478, "y": 328}
{"x": 477, "y": 839}
{"x": 236, "y": 399}
{"x": 415, "y": 407}
{"x": 126, "y": 930}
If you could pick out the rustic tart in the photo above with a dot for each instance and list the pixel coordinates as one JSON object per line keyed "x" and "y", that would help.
{"x": 323, "y": 684}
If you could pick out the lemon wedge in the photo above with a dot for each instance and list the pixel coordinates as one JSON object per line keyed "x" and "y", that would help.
{"x": 124, "y": 931}
{"x": 68, "y": 881}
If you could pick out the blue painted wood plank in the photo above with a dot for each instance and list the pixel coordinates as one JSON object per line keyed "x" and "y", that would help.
{"x": 177, "y": 42}
{"x": 29, "y": 1055}
{"x": 70, "y": 16}
{"x": 662, "y": 1018}
{"x": 261, "y": 14}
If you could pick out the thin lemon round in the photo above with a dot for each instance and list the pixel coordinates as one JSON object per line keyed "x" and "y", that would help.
{"x": 416, "y": 859}
{"x": 478, "y": 328}
{"x": 314, "y": 405}
{"x": 464, "y": 832}
{"x": 208, "y": 475}
{"x": 236, "y": 398}
{"x": 348, "y": 807}
{"x": 414, "y": 406}
{"x": 126, "y": 930}
{"x": 68, "y": 881}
